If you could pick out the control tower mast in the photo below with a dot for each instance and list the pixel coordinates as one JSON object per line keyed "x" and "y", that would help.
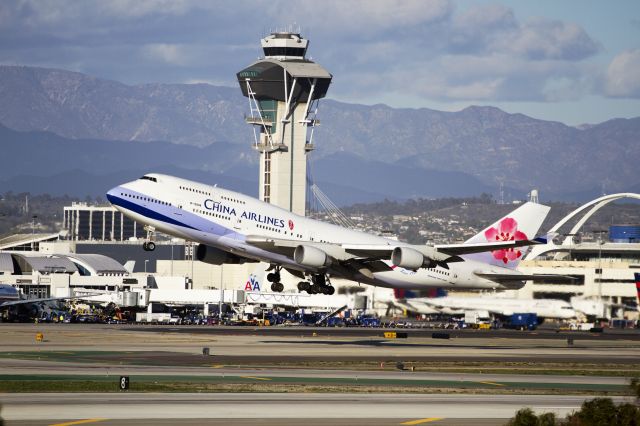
{"x": 284, "y": 89}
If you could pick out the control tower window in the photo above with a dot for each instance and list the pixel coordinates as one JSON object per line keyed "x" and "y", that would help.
{"x": 284, "y": 51}
{"x": 152, "y": 179}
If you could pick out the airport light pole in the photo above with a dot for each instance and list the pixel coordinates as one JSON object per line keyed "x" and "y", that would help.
{"x": 33, "y": 231}
{"x": 192, "y": 256}
{"x": 600, "y": 232}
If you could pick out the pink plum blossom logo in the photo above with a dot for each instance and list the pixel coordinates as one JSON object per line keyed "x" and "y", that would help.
{"x": 507, "y": 231}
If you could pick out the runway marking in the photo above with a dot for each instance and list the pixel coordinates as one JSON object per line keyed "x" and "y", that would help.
{"x": 255, "y": 378}
{"x": 493, "y": 383}
{"x": 79, "y": 422}
{"x": 421, "y": 421}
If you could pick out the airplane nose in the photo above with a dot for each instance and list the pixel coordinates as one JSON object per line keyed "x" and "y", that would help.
{"x": 113, "y": 195}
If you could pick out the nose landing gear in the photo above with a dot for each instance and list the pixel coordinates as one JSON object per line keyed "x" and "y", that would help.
{"x": 149, "y": 245}
{"x": 274, "y": 279}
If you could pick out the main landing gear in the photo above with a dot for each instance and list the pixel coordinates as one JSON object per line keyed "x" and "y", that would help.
{"x": 319, "y": 285}
{"x": 274, "y": 279}
{"x": 149, "y": 245}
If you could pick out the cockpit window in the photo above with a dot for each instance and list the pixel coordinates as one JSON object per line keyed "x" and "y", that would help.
{"x": 152, "y": 179}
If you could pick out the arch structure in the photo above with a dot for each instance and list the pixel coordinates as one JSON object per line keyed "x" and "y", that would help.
{"x": 587, "y": 210}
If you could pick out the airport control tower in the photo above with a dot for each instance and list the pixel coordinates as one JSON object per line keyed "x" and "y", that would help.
{"x": 284, "y": 89}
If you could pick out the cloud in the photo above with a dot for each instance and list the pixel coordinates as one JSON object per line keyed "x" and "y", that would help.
{"x": 169, "y": 53}
{"x": 541, "y": 38}
{"x": 477, "y": 29}
{"x": 431, "y": 49}
{"x": 623, "y": 75}
{"x": 362, "y": 19}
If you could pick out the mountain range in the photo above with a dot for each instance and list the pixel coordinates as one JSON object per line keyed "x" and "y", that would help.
{"x": 56, "y": 123}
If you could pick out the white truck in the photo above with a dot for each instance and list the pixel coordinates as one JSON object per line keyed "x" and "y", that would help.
{"x": 155, "y": 318}
{"x": 477, "y": 319}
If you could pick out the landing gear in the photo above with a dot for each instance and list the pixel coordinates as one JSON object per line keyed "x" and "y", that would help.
{"x": 277, "y": 287}
{"x": 274, "y": 279}
{"x": 149, "y": 245}
{"x": 319, "y": 285}
{"x": 303, "y": 286}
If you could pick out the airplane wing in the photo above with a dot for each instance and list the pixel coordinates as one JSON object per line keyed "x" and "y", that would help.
{"x": 357, "y": 253}
{"x": 410, "y": 307}
{"x": 30, "y": 301}
{"x": 503, "y": 278}
{"x": 436, "y": 304}
{"x": 523, "y": 277}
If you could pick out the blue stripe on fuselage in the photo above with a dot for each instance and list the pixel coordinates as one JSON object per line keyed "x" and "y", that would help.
{"x": 144, "y": 211}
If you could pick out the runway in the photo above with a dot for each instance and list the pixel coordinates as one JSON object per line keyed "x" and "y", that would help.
{"x": 310, "y": 376}
{"x": 383, "y": 409}
{"x": 242, "y": 345}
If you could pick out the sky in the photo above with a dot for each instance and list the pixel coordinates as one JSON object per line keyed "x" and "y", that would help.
{"x": 574, "y": 61}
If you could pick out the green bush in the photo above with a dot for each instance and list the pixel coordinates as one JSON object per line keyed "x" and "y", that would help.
{"x": 627, "y": 415}
{"x": 595, "y": 412}
{"x": 547, "y": 419}
{"x": 524, "y": 417}
{"x": 635, "y": 387}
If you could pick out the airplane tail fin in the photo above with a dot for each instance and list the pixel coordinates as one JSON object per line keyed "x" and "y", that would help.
{"x": 129, "y": 265}
{"x": 521, "y": 224}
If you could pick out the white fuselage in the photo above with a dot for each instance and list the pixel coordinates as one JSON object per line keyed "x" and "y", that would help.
{"x": 543, "y": 308}
{"x": 223, "y": 219}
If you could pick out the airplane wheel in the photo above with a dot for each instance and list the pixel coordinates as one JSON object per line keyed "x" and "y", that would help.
{"x": 273, "y": 277}
{"x": 145, "y": 246}
{"x": 302, "y": 286}
{"x": 319, "y": 280}
{"x": 151, "y": 246}
{"x": 280, "y": 287}
{"x": 274, "y": 287}
{"x": 311, "y": 289}
{"x": 331, "y": 290}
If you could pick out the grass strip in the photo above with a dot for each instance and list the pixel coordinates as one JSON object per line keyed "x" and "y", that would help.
{"x": 161, "y": 359}
{"x": 181, "y": 387}
{"x": 15, "y": 383}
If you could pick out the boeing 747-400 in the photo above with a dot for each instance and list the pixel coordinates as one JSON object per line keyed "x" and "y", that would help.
{"x": 234, "y": 228}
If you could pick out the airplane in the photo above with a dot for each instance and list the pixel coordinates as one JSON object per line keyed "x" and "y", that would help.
{"x": 543, "y": 308}
{"x": 234, "y": 228}
{"x": 11, "y": 296}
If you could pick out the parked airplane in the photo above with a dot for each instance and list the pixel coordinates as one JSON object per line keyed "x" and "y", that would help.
{"x": 544, "y": 308}
{"x": 11, "y": 296}
{"x": 235, "y": 228}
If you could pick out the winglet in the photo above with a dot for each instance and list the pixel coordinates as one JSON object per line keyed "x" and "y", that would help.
{"x": 129, "y": 266}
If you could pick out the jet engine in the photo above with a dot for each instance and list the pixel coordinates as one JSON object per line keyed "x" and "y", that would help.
{"x": 311, "y": 256}
{"x": 215, "y": 256}
{"x": 408, "y": 258}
